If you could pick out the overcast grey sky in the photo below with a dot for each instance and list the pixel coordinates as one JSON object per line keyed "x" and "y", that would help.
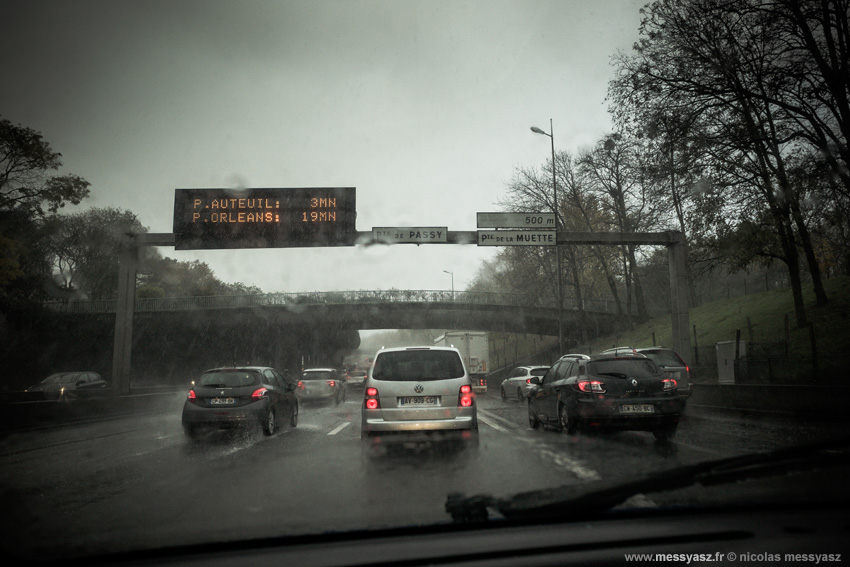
{"x": 423, "y": 106}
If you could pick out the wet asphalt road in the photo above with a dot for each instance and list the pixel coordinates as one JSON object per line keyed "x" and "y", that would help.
{"x": 136, "y": 482}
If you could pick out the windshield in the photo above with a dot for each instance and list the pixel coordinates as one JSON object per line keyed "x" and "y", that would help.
{"x": 317, "y": 375}
{"x": 387, "y": 220}
{"x": 632, "y": 367}
{"x": 60, "y": 379}
{"x": 663, "y": 357}
{"x": 229, "y": 379}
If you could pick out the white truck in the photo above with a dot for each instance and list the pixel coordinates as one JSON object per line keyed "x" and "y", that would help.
{"x": 475, "y": 350}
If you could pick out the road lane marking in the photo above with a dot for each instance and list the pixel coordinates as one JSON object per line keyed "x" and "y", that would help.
{"x": 492, "y": 415}
{"x": 493, "y": 425}
{"x": 340, "y": 428}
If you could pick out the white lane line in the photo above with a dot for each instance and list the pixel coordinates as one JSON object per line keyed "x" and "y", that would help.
{"x": 493, "y": 425}
{"x": 340, "y": 428}
{"x": 492, "y": 415}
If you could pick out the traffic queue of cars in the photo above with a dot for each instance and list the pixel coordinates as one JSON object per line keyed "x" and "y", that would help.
{"x": 428, "y": 389}
{"x": 416, "y": 389}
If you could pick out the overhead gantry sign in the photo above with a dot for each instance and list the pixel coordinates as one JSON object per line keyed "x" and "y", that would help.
{"x": 264, "y": 218}
{"x": 325, "y": 216}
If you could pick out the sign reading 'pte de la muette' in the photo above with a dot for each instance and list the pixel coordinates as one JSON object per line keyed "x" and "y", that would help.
{"x": 264, "y": 218}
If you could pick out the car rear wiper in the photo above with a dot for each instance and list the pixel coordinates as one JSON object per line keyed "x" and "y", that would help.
{"x": 585, "y": 499}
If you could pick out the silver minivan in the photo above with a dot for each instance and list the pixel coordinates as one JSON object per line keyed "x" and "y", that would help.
{"x": 418, "y": 389}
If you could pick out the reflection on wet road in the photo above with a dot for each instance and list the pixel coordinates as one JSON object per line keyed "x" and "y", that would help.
{"x": 148, "y": 486}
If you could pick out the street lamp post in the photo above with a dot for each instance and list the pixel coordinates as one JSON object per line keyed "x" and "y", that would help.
{"x": 452, "y": 274}
{"x": 551, "y": 136}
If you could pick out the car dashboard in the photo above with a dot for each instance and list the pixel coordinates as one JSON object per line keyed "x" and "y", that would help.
{"x": 779, "y": 535}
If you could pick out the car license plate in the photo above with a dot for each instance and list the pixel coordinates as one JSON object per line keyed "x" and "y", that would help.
{"x": 419, "y": 401}
{"x": 222, "y": 401}
{"x": 637, "y": 408}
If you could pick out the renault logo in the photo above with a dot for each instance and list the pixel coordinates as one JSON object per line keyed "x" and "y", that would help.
{"x": 418, "y": 388}
{"x": 634, "y": 382}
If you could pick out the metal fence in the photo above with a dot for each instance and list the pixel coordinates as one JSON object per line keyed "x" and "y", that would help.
{"x": 333, "y": 298}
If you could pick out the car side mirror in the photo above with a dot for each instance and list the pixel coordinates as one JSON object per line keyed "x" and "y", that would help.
{"x": 535, "y": 380}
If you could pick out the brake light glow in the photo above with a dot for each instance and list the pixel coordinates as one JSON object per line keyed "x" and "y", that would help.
{"x": 259, "y": 393}
{"x": 528, "y": 380}
{"x": 300, "y": 385}
{"x": 191, "y": 395}
{"x": 591, "y": 386}
{"x": 669, "y": 384}
{"x": 465, "y": 397}
{"x": 372, "y": 400}
{"x": 331, "y": 383}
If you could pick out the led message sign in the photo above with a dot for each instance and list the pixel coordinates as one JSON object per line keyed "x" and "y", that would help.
{"x": 264, "y": 218}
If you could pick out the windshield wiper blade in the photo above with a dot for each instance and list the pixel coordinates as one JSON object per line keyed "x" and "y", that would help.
{"x": 581, "y": 500}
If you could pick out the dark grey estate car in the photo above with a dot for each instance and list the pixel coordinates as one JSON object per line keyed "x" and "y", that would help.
{"x": 606, "y": 392}
{"x": 69, "y": 385}
{"x": 243, "y": 396}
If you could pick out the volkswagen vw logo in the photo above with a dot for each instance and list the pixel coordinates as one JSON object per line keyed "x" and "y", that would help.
{"x": 418, "y": 388}
{"x": 634, "y": 382}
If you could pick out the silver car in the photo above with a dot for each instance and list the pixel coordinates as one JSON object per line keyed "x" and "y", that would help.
{"x": 321, "y": 384}
{"x": 518, "y": 383}
{"x": 418, "y": 389}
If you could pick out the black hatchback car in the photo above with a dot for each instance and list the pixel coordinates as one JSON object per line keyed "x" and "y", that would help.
{"x": 625, "y": 392}
{"x": 244, "y": 396}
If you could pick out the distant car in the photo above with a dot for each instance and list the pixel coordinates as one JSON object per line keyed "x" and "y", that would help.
{"x": 245, "y": 396}
{"x": 667, "y": 360}
{"x": 418, "y": 389}
{"x": 625, "y": 392}
{"x": 356, "y": 378}
{"x": 66, "y": 385}
{"x": 518, "y": 383}
{"x": 321, "y": 384}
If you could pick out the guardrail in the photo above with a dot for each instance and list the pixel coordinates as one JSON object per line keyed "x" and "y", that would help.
{"x": 333, "y": 298}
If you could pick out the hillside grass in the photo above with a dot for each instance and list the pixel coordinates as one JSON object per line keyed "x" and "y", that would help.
{"x": 760, "y": 318}
{"x": 720, "y": 320}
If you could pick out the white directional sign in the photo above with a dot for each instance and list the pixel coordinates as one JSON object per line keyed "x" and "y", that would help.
{"x": 410, "y": 234}
{"x": 517, "y": 238}
{"x": 516, "y": 220}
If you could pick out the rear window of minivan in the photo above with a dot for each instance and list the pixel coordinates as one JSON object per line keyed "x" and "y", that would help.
{"x": 417, "y": 365}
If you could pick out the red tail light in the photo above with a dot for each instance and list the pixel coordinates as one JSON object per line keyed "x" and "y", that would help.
{"x": 528, "y": 380}
{"x": 191, "y": 395}
{"x": 372, "y": 400}
{"x": 331, "y": 383}
{"x": 465, "y": 396}
{"x": 669, "y": 384}
{"x": 300, "y": 385}
{"x": 259, "y": 394}
{"x": 591, "y": 386}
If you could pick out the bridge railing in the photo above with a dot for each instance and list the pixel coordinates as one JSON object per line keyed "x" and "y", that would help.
{"x": 333, "y": 298}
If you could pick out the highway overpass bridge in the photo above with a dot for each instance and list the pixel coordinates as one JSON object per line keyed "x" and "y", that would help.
{"x": 385, "y": 309}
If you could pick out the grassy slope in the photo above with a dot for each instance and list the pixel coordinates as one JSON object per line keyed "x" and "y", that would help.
{"x": 719, "y": 321}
